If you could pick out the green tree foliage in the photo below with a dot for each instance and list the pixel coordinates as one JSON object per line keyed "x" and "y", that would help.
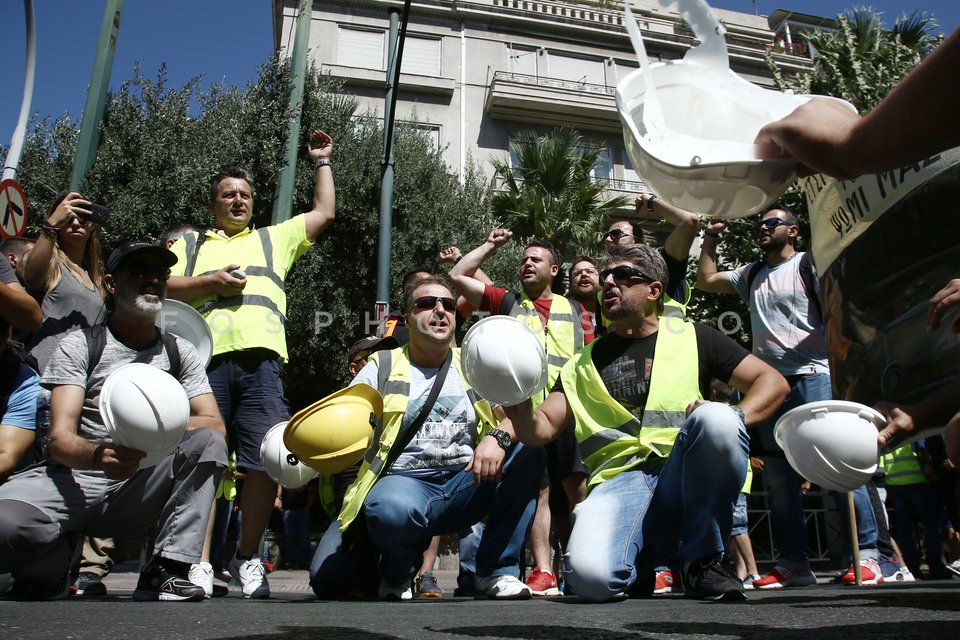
{"x": 156, "y": 159}
{"x": 550, "y": 193}
{"x": 861, "y": 62}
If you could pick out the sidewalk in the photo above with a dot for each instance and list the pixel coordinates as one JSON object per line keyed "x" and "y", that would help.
{"x": 123, "y": 581}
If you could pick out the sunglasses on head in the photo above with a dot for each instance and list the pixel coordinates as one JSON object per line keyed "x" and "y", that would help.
{"x": 424, "y": 303}
{"x": 616, "y": 234}
{"x": 623, "y": 273}
{"x": 772, "y": 223}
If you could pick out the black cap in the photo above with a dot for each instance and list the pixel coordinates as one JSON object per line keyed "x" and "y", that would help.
{"x": 137, "y": 247}
{"x": 371, "y": 344}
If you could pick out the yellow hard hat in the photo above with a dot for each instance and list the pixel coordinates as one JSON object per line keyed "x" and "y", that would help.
{"x": 332, "y": 433}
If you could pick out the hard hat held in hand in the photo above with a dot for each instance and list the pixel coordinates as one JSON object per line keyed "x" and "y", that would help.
{"x": 332, "y": 433}
{"x": 689, "y": 125}
{"x": 504, "y": 360}
{"x": 182, "y": 320}
{"x": 280, "y": 463}
{"x": 144, "y": 408}
{"x": 832, "y": 443}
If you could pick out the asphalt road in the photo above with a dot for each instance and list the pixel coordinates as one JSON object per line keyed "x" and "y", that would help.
{"x": 823, "y": 612}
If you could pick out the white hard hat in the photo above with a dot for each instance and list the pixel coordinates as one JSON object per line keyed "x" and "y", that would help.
{"x": 183, "y": 321}
{"x": 144, "y": 408}
{"x": 689, "y": 125}
{"x": 280, "y": 464}
{"x": 504, "y": 360}
{"x": 832, "y": 443}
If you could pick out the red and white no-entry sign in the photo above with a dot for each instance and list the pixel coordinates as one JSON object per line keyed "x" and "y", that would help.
{"x": 13, "y": 209}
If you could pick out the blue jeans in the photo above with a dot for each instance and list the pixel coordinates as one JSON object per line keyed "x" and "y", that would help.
{"x": 296, "y": 536}
{"x": 782, "y": 483}
{"x": 689, "y": 498}
{"x": 403, "y": 513}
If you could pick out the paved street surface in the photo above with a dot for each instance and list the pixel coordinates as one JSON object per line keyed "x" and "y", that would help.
{"x": 825, "y": 612}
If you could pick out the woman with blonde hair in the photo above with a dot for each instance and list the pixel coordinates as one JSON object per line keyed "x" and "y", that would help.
{"x": 65, "y": 272}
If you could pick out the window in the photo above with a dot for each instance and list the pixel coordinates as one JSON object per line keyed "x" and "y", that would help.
{"x": 421, "y": 56}
{"x": 359, "y": 48}
{"x": 602, "y": 169}
{"x": 576, "y": 69}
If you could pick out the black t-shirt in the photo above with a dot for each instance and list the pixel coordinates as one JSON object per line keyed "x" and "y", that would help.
{"x": 625, "y": 364}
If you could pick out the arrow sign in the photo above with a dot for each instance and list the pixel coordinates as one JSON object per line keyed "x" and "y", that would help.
{"x": 13, "y": 209}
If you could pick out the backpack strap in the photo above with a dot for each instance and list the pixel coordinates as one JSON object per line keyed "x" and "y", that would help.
{"x": 808, "y": 277}
{"x": 173, "y": 353}
{"x": 96, "y": 342}
{"x": 506, "y": 303}
{"x": 752, "y": 274}
{"x": 194, "y": 241}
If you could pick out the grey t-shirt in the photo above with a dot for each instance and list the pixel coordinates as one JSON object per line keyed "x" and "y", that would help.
{"x": 68, "y": 306}
{"x": 7, "y": 275}
{"x": 68, "y": 365}
{"x": 445, "y": 439}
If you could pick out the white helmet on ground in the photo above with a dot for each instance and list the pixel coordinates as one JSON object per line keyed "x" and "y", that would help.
{"x": 504, "y": 360}
{"x": 280, "y": 464}
{"x": 144, "y": 408}
{"x": 832, "y": 443}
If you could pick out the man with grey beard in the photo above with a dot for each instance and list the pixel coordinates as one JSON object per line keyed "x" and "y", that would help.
{"x": 93, "y": 486}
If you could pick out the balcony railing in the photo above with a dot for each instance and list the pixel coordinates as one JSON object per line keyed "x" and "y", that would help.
{"x": 555, "y": 83}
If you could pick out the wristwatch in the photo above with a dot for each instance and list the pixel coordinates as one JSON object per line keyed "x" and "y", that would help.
{"x": 503, "y": 438}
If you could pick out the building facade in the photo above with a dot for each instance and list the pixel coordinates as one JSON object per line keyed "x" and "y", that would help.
{"x": 475, "y": 73}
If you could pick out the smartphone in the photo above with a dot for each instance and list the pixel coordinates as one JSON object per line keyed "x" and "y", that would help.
{"x": 99, "y": 213}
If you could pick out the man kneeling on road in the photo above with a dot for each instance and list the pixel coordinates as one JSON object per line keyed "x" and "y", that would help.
{"x": 665, "y": 465}
{"x": 93, "y": 486}
{"x": 455, "y": 469}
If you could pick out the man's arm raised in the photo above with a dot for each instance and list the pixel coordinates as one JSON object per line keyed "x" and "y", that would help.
{"x": 324, "y": 194}
{"x": 463, "y": 272}
{"x": 708, "y": 278}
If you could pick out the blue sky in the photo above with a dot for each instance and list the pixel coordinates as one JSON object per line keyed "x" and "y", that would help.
{"x": 224, "y": 40}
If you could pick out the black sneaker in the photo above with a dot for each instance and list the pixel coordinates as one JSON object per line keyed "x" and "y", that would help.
{"x": 157, "y": 582}
{"x": 90, "y": 585}
{"x": 707, "y": 579}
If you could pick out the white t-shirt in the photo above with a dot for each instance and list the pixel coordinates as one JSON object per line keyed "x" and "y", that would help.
{"x": 445, "y": 439}
{"x": 787, "y": 329}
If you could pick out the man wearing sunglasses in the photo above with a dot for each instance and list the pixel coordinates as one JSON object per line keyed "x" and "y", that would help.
{"x": 439, "y": 464}
{"x": 93, "y": 486}
{"x": 675, "y": 250}
{"x": 666, "y": 466}
{"x": 788, "y": 334}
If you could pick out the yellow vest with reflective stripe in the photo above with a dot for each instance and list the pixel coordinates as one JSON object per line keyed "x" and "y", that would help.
{"x": 902, "y": 467}
{"x": 256, "y": 317}
{"x": 611, "y": 438}
{"x": 394, "y": 385}
{"x": 563, "y": 334}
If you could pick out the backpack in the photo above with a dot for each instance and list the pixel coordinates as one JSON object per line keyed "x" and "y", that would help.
{"x": 97, "y": 340}
{"x": 806, "y": 276}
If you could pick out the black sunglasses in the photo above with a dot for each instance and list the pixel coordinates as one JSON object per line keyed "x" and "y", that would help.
{"x": 623, "y": 273}
{"x": 141, "y": 271}
{"x": 772, "y": 223}
{"x": 616, "y": 234}
{"x": 430, "y": 302}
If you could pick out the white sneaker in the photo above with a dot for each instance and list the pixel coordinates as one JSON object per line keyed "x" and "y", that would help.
{"x": 386, "y": 592}
{"x": 954, "y": 567}
{"x": 251, "y": 576}
{"x": 749, "y": 580}
{"x": 201, "y": 574}
{"x": 501, "y": 588}
{"x": 903, "y": 575}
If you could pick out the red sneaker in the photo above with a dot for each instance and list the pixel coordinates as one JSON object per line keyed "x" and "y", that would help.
{"x": 781, "y": 578}
{"x": 869, "y": 573}
{"x": 664, "y": 581}
{"x": 542, "y": 583}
